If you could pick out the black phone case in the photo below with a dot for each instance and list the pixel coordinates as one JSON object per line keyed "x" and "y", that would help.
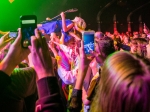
{"x": 27, "y": 29}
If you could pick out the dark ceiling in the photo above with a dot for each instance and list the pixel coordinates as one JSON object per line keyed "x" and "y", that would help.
{"x": 87, "y": 9}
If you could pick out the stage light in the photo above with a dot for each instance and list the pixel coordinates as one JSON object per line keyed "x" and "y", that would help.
{"x": 11, "y": 1}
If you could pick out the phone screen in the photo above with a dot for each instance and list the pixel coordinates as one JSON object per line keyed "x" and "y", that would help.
{"x": 88, "y": 38}
{"x": 13, "y": 34}
{"x": 28, "y": 25}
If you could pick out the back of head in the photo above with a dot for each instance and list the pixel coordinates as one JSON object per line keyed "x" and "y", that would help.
{"x": 138, "y": 46}
{"x": 124, "y": 85}
{"x": 106, "y": 45}
{"x": 99, "y": 34}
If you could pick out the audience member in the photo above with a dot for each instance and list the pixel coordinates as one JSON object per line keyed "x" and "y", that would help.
{"x": 138, "y": 47}
{"x": 103, "y": 48}
{"x": 124, "y": 85}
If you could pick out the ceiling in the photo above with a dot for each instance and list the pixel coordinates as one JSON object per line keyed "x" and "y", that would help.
{"x": 87, "y": 9}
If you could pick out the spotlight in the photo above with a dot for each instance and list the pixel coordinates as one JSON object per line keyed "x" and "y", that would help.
{"x": 11, "y": 1}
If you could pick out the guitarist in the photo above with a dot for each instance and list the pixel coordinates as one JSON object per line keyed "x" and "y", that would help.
{"x": 65, "y": 26}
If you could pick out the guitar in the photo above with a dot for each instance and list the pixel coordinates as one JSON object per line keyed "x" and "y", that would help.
{"x": 58, "y": 16}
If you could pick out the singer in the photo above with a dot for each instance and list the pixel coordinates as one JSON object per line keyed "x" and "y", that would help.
{"x": 65, "y": 26}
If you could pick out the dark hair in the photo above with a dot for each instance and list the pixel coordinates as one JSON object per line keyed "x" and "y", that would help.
{"x": 106, "y": 44}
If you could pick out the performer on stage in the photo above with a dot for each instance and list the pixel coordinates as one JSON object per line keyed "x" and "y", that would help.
{"x": 66, "y": 26}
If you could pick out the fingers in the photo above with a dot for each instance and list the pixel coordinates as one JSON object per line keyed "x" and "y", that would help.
{"x": 6, "y": 35}
{"x": 48, "y": 18}
{"x": 34, "y": 43}
{"x": 40, "y": 41}
{"x": 9, "y": 39}
{"x": 82, "y": 46}
{"x": 37, "y": 33}
{"x": 30, "y": 48}
{"x": 81, "y": 50}
{"x": 38, "y": 36}
{"x": 44, "y": 43}
{"x": 62, "y": 14}
{"x": 34, "y": 40}
{"x": 18, "y": 39}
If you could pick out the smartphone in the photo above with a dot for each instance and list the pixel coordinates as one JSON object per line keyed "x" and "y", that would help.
{"x": 28, "y": 25}
{"x": 13, "y": 34}
{"x": 88, "y": 41}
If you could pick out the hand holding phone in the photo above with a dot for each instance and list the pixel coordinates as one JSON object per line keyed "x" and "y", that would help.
{"x": 88, "y": 41}
{"x": 28, "y": 25}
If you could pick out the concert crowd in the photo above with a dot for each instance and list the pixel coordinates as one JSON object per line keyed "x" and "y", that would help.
{"x": 54, "y": 74}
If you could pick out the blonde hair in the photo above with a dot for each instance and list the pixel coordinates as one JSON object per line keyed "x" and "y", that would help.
{"x": 80, "y": 22}
{"x": 124, "y": 85}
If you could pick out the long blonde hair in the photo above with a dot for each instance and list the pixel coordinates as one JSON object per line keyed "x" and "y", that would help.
{"x": 124, "y": 85}
{"x": 80, "y": 22}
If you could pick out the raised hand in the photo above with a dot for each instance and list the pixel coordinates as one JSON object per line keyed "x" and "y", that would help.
{"x": 41, "y": 56}
{"x": 62, "y": 15}
{"x": 4, "y": 40}
{"x": 15, "y": 55}
{"x": 83, "y": 66}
